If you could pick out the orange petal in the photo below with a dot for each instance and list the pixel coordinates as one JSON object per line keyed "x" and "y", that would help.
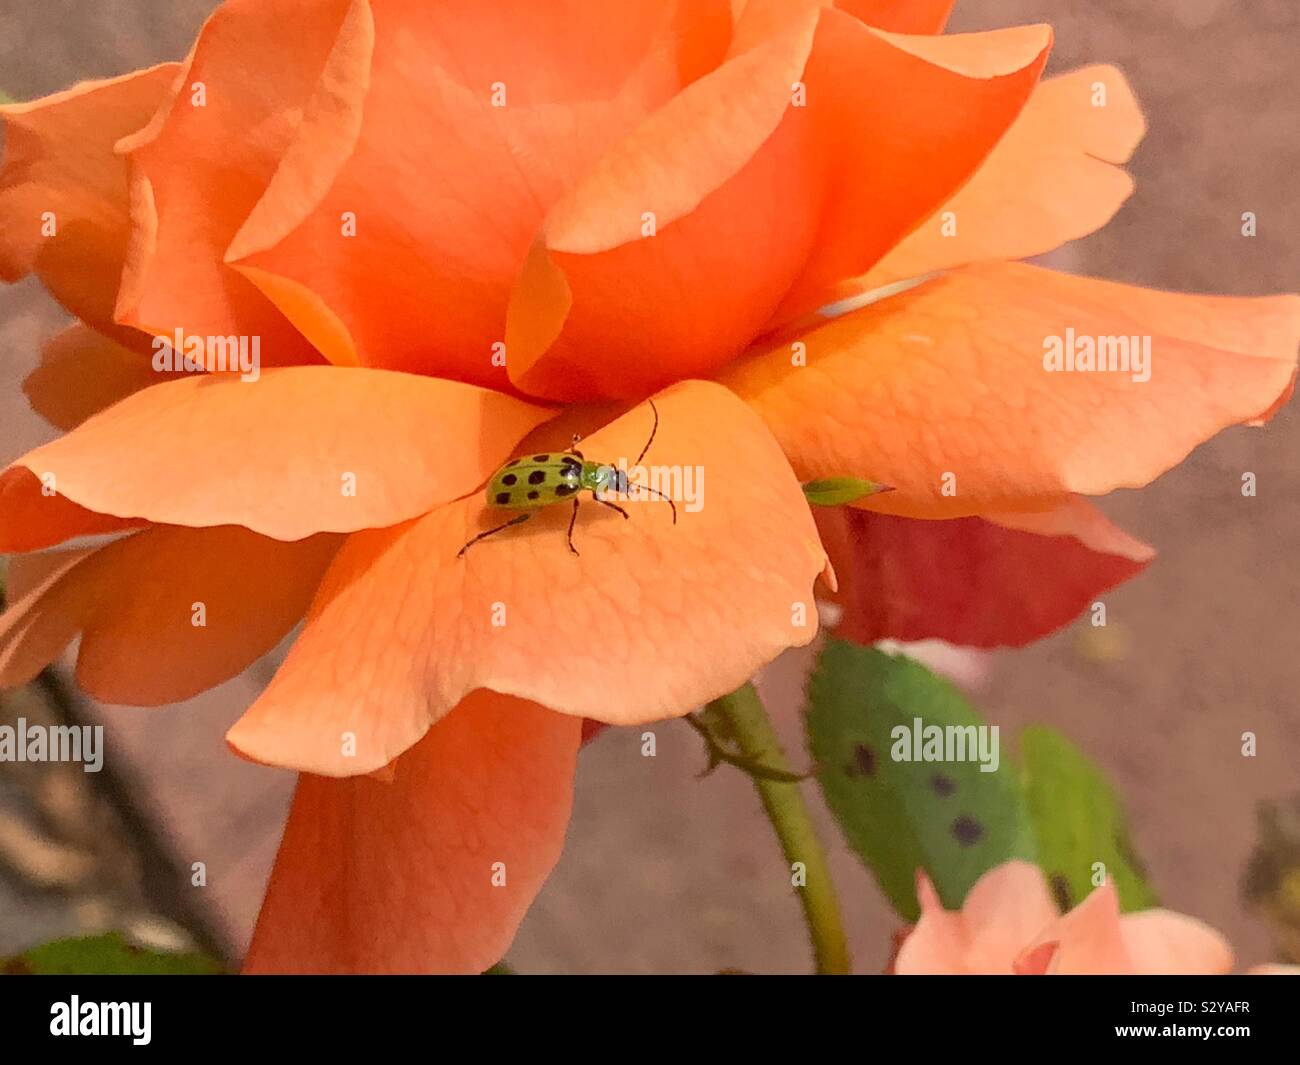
{"x": 300, "y": 450}
{"x": 603, "y": 210}
{"x": 1162, "y": 942}
{"x": 24, "y": 574}
{"x": 32, "y": 635}
{"x": 649, "y": 621}
{"x": 1054, "y": 177}
{"x": 718, "y": 164}
{"x": 901, "y": 16}
{"x": 210, "y": 154}
{"x": 34, "y": 515}
{"x": 933, "y": 107}
{"x": 164, "y": 614}
{"x": 59, "y": 170}
{"x": 941, "y": 390}
{"x": 499, "y": 110}
{"x": 980, "y": 583}
{"x": 433, "y": 871}
{"x": 696, "y": 166}
{"x": 82, "y": 372}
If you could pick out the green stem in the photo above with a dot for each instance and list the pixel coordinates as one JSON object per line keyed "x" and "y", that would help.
{"x": 749, "y": 725}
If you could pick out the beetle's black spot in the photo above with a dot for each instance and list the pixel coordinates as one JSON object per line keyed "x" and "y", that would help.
{"x": 503, "y": 499}
{"x": 537, "y": 477}
{"x": 509, "y": 478}
{"x": 943, "y": 786}
{"x": 967, "y": 831}
{"x": 513, "y": 462}
{"x": 565, "y": 489}
{"x": 534, "y": 495}
{"x": 1061, "y": 891}
{"x": 541, "y": 458}
{"x": 569, "y": 460}
{"x": 864, "y": 761}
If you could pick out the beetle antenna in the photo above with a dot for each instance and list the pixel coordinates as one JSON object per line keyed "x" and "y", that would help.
{"x": 654, "y": 429}
{"x": 666, "y": 499}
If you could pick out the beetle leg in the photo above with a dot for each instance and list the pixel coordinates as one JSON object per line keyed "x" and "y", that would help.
{"x": 484, "y": 535}
{"x": 573, "y": 519}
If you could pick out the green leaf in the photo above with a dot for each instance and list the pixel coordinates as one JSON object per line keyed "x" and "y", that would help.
{"x": 106, "y": 955}
{"x": 836, "y": 491}
{"x": 1077, "y": 820}
{"x": 947, "y": 817}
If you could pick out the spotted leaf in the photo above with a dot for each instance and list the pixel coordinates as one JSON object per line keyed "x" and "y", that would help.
{"x": 946, "y": 816}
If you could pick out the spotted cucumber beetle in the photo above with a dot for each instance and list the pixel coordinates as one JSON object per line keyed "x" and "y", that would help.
{"x": 537, "y": 481}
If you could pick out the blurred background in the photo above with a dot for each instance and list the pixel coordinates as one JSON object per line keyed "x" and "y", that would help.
{"x": 666, "y": 873}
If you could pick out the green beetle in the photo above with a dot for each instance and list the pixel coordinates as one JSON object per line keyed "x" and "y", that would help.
{"x": 537, "y": 481}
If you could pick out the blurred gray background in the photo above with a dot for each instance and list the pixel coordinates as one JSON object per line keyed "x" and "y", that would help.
{"x": 665, "y": 873}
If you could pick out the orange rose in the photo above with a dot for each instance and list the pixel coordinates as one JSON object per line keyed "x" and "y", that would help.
{"x": 653, "y": 197}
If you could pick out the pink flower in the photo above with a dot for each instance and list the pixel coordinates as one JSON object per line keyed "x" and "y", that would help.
{"x": 1010, "y": 924}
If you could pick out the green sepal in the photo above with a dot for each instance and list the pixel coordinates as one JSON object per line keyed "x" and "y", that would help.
{"x": 838, "y": 491}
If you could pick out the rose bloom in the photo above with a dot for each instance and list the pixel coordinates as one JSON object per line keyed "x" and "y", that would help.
{"x": 465, "y": 231}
